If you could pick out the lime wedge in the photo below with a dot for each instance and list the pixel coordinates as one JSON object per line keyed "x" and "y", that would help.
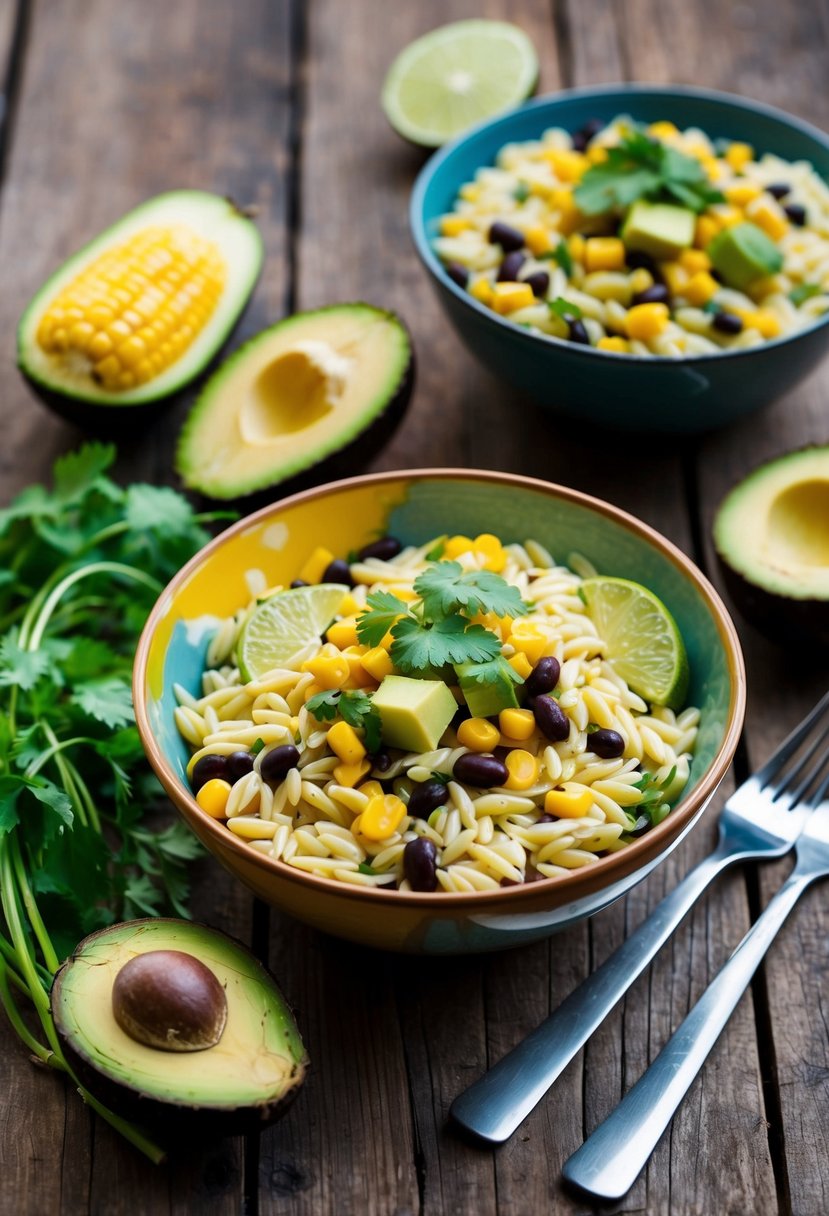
{"x": 642, "y": 639}
{"x": 282, "y": 627}
{"x": 456, "y": 76}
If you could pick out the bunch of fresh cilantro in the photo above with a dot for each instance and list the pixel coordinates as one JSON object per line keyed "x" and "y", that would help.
{"x": 641, "y": 167}
{"x": 80, "y": 567}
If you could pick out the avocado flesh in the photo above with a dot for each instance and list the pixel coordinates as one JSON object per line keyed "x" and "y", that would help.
{"x": 212, "y": 217}
{"x": 771, "y": 535}
{"x": 660, "y": 230}
{"x": 485, "y": 700}
{"x": 257, "y": 1063}
{"x": 297, "y": 393}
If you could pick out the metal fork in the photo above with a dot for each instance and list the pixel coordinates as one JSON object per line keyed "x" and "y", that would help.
{"x": 761, "y": 820}
{"x": 608, "y": 1163}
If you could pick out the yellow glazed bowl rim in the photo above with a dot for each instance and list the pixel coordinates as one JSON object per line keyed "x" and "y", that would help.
{"x": 575, "y": 885}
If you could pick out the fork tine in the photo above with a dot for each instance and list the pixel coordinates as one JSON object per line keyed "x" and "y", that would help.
{"x": 798, "y": 768}
{"x": 820, "y": 794}
{"x": 790, "y": 744}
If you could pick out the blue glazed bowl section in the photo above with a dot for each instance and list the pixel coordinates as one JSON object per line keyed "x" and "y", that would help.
{"x": 625, "y": 392}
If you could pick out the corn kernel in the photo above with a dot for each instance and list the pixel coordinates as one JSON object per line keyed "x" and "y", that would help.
{"x": 213, "y": 796}
{"x": 343, "y": 740}
{"x": 706, "y": 229}
{"x": 358, "y": 676}
{"x": 770, "y": 216}
{"x": 713, "y": 167}
{"x": 329, "y": 672}
{"x": 522, "y": 767}
{"x": 349, "y": 606}
{"x": 618, "y": 345}
{"x": 538, "y": 239}
{"x": 248, "y": 827}
{"x": 456, "y": 546}
{"x": 509, "y": 297}
{"x": 596, "y": 154}
{"x": 570, "y": 801}
{"x": 738, "y": 155}
{"x": 762, "y": 320}
{"x": 603, "y": 253}
{"x": 517, "y": 723}
{"x": 741, "y": 193}
{"x": 387, "y": 640}
{"x": 343, "y": 633}
{"x": 490, "y": 548}
{"x": 371, "y": 789}
{"x": 700, "y": 289}
{"x": 640, "y": 280}
{"x": 316, "y": 565}
{"x": 727, "y": 215}
{"x": 481, "y": 290}
{"x": 350, "y": 774}
{"x": 646, "y": 321}
{"x": 675, "y": 276}
{"x": 575, "y": 247}
{"x": 662, "y": 130}
{"x": 377, "y": 663}
{"x": 529, "y": 640}
{"x": 311, "y": 690}
{"x": 478, "y": 735}
{"x": 470, "y": 192}
{"x": 694, "y": 260}
{"x": 520, "y": 663}
{"x": 453, "y": 225}
{"x": 382, "y": 817}
{"x": 568, "y": 166}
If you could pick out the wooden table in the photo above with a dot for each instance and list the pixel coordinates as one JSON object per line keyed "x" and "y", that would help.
{"x": 276, "y": 103}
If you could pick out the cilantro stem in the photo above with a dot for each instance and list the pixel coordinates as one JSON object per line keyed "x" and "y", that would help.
{"x": 54, "y": 597}
{"x": 14, "y": 920}
{"x": 85, "y": 796}
{"x": 45, "y": 756}
{"x": 66, "y": 776}
{"x": 50, "y": 957}
{"x": 13, "y": 1014}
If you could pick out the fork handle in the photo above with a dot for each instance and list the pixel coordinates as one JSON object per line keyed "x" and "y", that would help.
{"x": 495, "y": 1105}
{"x": 609, "y": 1161}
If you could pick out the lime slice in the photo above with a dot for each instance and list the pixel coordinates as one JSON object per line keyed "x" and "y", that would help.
{"x": 642, "y": 639}
{"x": 456, "y": 76}
{"x": 283, "y": 626}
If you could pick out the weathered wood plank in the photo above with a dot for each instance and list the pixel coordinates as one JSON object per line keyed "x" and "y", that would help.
{"x": 203, "y": 105}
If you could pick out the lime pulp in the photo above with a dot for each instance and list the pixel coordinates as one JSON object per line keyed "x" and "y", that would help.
{"x": 283, "y": 627}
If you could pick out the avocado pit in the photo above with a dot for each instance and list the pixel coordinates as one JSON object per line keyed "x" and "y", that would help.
{"x": 169, "y": 1000}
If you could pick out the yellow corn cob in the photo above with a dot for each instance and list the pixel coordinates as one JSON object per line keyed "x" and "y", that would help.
{"x": 137, "y": 308}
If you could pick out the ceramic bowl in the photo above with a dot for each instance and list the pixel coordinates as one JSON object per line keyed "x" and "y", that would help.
{"x": 268, "y": 548}
{"x": 622, "y": 392}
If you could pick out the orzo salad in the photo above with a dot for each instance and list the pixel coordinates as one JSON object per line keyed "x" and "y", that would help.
{"x": 643, "y": 240}
{"x": 445, "y": 717}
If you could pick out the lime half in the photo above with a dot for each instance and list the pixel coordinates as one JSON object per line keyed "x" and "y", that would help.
{"x": 455, "y": 76}
{"x": 642, "y": 639}
{"x": 282, "y": 627}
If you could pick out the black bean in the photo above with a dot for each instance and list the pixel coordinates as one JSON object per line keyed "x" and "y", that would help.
{"x": 727, "y": 323}
{"x": 637, "y": 260}
{"x": 385, "y": 548}
{"x": 543, "y": 677}
{"x": 606, "y": 743}
{"x": 337, "y": 572}
{"x": 579, "y": 140}
{"x": 420, "y": 864}
{"x": 425, "y": 798}
{"x": 577, "y": 332}
{"x": 460, "y": 715}
{"x": 239, "y": 764}
{"x": 206, "y": 769}
{"x": 796, "y": 213}
{"x": 482, "y": 771}
{"x": 642, "y": 824}
{"x": 278, "y": 761}
{"x": 582, "y": 138}
{"x": 539, "y": 281}
{"x": 508, "y": 238}
{"x": 657, "y": 293}
{"x": 512, "y": 263}
{"x": 545, "y": 817}
{"x": 550, "y": 718}
{"x": 380, "y": 761}
{"x": 779, "y": 189}
{"x": 457, "y": 273}
{"x": 299, "y": 582}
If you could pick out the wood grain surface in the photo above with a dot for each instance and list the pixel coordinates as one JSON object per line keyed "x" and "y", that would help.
{"x": 276, "y": 103}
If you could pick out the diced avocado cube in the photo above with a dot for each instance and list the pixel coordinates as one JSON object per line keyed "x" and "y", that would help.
{"x": 744, "y": 253}
{"x": 414, "y": 713}
{"x": 485, "y": 700}
{"x": 659, "y": 229}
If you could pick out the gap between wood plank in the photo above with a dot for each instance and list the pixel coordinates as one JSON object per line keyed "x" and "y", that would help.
{"x": 12, "y": 78}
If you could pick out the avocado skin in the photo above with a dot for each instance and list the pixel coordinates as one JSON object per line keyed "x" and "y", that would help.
{"x": 171, "y": 1119}
{"x": 782, "y": 619}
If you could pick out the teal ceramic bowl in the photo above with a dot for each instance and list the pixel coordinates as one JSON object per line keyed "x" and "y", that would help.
{"x": 622, "y": 392}
{"x": 269, "y": 547}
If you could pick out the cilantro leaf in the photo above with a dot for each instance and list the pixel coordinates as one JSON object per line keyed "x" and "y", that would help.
{"x": 108, "y": 700}
{"x": 324, "y": 705}
{"x": 78, "y": 472}
{"x": 22, "y": 668}
{"x": 445, "y": 589}
{"x": 803, "y": 292}
{"x": 419, "y": 647}
{"x": 521, "y": 192}
{"x": 564, "y": 309}
{"x": 357, "y": 709}
{"x": 492, "y": 671}
{"x": 641, "y": 167}
{"x": 561, "y": 254}
{"x": 152, "y": 508}
{"x": 383, "y": 610}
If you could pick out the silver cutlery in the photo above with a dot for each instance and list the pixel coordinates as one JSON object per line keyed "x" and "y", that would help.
{"x": 761, "y": 820}
{"x": 609, "y": 1161}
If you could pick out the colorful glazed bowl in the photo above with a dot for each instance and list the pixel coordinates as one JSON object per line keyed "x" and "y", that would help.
{"x": 622, "y": 392}
{"x": 269, "y": 547}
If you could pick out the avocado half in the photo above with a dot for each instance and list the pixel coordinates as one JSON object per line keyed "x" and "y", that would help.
{"x": 313, "y": 392}
{"x": 65, "y": 384}
{"x": 248, "y": 1079}
{"x": 771, "y": 535}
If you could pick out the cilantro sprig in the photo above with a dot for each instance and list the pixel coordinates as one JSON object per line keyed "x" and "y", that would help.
{"x": 641, "y": 167}
{"x": 437, "y": 629}
{"x": 354, "y": 707}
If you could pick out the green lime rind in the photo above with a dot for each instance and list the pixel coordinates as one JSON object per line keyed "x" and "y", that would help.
{"x": 283, "y": 626}
{"x": 642, "y": 639}
{"x": 455, "y": 76}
